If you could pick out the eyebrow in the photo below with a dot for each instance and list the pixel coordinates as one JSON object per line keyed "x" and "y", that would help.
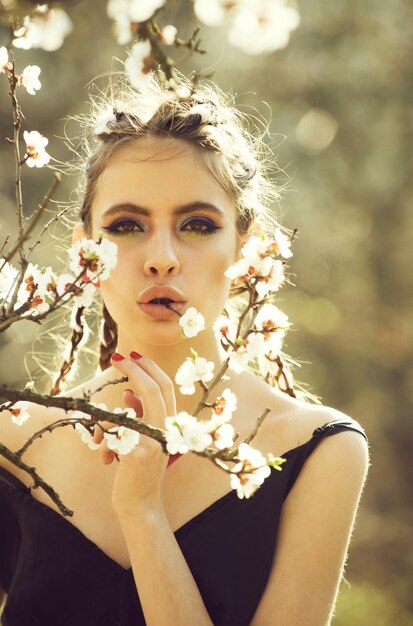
{"x": 191, "y": 207}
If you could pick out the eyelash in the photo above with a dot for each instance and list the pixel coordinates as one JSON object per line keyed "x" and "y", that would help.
{"x": 113, "y": 229}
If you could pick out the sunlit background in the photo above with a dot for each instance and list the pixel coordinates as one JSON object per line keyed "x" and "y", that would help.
{"x": 338, "y": 96}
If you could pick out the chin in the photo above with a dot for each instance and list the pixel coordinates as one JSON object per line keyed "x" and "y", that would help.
{"x": 164, "y": 334}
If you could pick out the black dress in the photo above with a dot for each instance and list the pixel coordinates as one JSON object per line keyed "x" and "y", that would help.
{"x": 55, "y": 576}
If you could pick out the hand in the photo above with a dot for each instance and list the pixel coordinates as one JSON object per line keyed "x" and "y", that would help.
{"x": 140, "y": 474}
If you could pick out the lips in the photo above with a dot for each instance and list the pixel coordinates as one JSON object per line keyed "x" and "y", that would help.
{"x": 162, "y": 312}
{"x": 161, "y": 294}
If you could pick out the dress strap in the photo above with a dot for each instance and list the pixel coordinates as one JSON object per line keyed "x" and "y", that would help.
{"x": 336, "y": 426}
{"x": 331, "y": 428}
{"x": 9, "y": 478}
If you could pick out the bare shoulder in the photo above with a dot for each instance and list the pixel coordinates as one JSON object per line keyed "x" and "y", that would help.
{"x": 346, "y": 446}
{"x": 292, "y": 422}
{"x": 342, "y": 458}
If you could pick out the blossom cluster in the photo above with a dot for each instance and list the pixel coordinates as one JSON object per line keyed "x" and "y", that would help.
{"x": 261, "y": 271}
{"x": 185, "y": 433}
{"x": 120, "y": 439}
{"x": 40, "y": 287}
{"x": 261, "y": 265}
{"x": 256, "y": 26}
{"x": 46, "y": 28}
{"x": 126, "y": 14}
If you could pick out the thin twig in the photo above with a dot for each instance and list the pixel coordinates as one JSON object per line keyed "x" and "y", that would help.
{"x": 55, "y": 218}
{"x": 14, "y": 458}
{"x": 257, "y": 426}
{"x": 34, "y": 218}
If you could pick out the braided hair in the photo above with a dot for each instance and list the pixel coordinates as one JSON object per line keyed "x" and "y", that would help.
{"x": 76, "y": 338}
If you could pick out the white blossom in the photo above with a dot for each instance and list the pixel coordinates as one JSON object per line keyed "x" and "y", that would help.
{"x": 29, "y": 290}
{"x": 250, "y": 267}
{"x": 256, "y": 247}
{"x": 136, "y": 10}
{"x": 258, "y": 262}
{"x": 272, "y": 282}
{"x": 130, "y": 413}
{"x": 5, "y": 64}
{"x": 82, "y": 294}
{"x": 184, "y": 433}
{"x": 223, "y": 436}
{"x": 117, "y": 7}
{"x": 211, "y": 12}
{"x": 191, "y": 371}
{"x": 168, "y": 34}
{"x": 195, "y": 435}
{"x": 255, "y": 345}
{"x": 45, "y": 279}
{"x": 263, "y": 25}
{"x": 192, "y": 322}
{"x": 225, "y": 330}
{"x": 283, "y": 244}
{"x": 8, "y": 275}
{"x": 85, "y": 294}
{"x": 123, "y": 29}
{"x": 251, "y": 348}
{"x": 104, "y": 119}
{"x": 19, "y": 412}
{"x": 86, "y": 436}
{"x": 224, "y": 406}
{"x": 35, "y": 149}
{"x": 96, "y": 259}
{"x": 250, "y": 472}
{"x": 206, "y": 110}
{"x": 121, "y": 440}
{"x": 30, "y": 79}
{"x": 175, "y": 443}
{"x": 270, "y": 318}
{"x": 62, "y": 283}
{"x": 272, "y": 323}
{"x": 46, "y": 29}
{"x": 135, "y": 63}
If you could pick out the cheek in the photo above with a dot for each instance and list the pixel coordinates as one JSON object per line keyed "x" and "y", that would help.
{"x": 218, "y": 283}
{"x": 118, "y": 284}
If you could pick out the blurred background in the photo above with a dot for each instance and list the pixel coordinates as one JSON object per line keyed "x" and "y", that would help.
{"x": 338, "y": 98}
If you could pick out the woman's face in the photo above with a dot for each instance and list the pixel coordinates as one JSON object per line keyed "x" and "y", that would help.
{"x": 174, "y": 225}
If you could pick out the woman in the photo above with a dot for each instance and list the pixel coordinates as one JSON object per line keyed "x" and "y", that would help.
{"x": 179, "y": 186}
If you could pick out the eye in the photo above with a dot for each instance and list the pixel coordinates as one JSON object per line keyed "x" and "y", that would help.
{"x": 200, "y": 226}
{"x": 122, "y": 228}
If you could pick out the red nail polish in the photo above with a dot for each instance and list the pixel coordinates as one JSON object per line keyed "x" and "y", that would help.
{"x": 135, "y": 355}
{"x": 117, "y": 357}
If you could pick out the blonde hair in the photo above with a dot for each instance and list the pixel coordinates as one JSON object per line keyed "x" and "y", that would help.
{"x": 230, "y": 144}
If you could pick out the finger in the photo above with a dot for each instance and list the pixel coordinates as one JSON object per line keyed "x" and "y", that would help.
{"x": 98, "y": 431}
{"x": 144, "y": 386}
{"x": 163, "y": 380}
{"x": 132, "y": 401}
{"x": 106, "y": 454}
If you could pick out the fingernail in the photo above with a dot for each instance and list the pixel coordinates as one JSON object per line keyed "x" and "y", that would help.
{"x": 135, "y": 355}
{"x": 117, "y": 357}
{"x": 128, "y": 390}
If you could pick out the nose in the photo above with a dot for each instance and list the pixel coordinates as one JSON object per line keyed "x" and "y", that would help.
{"x": 162, "y": 260}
